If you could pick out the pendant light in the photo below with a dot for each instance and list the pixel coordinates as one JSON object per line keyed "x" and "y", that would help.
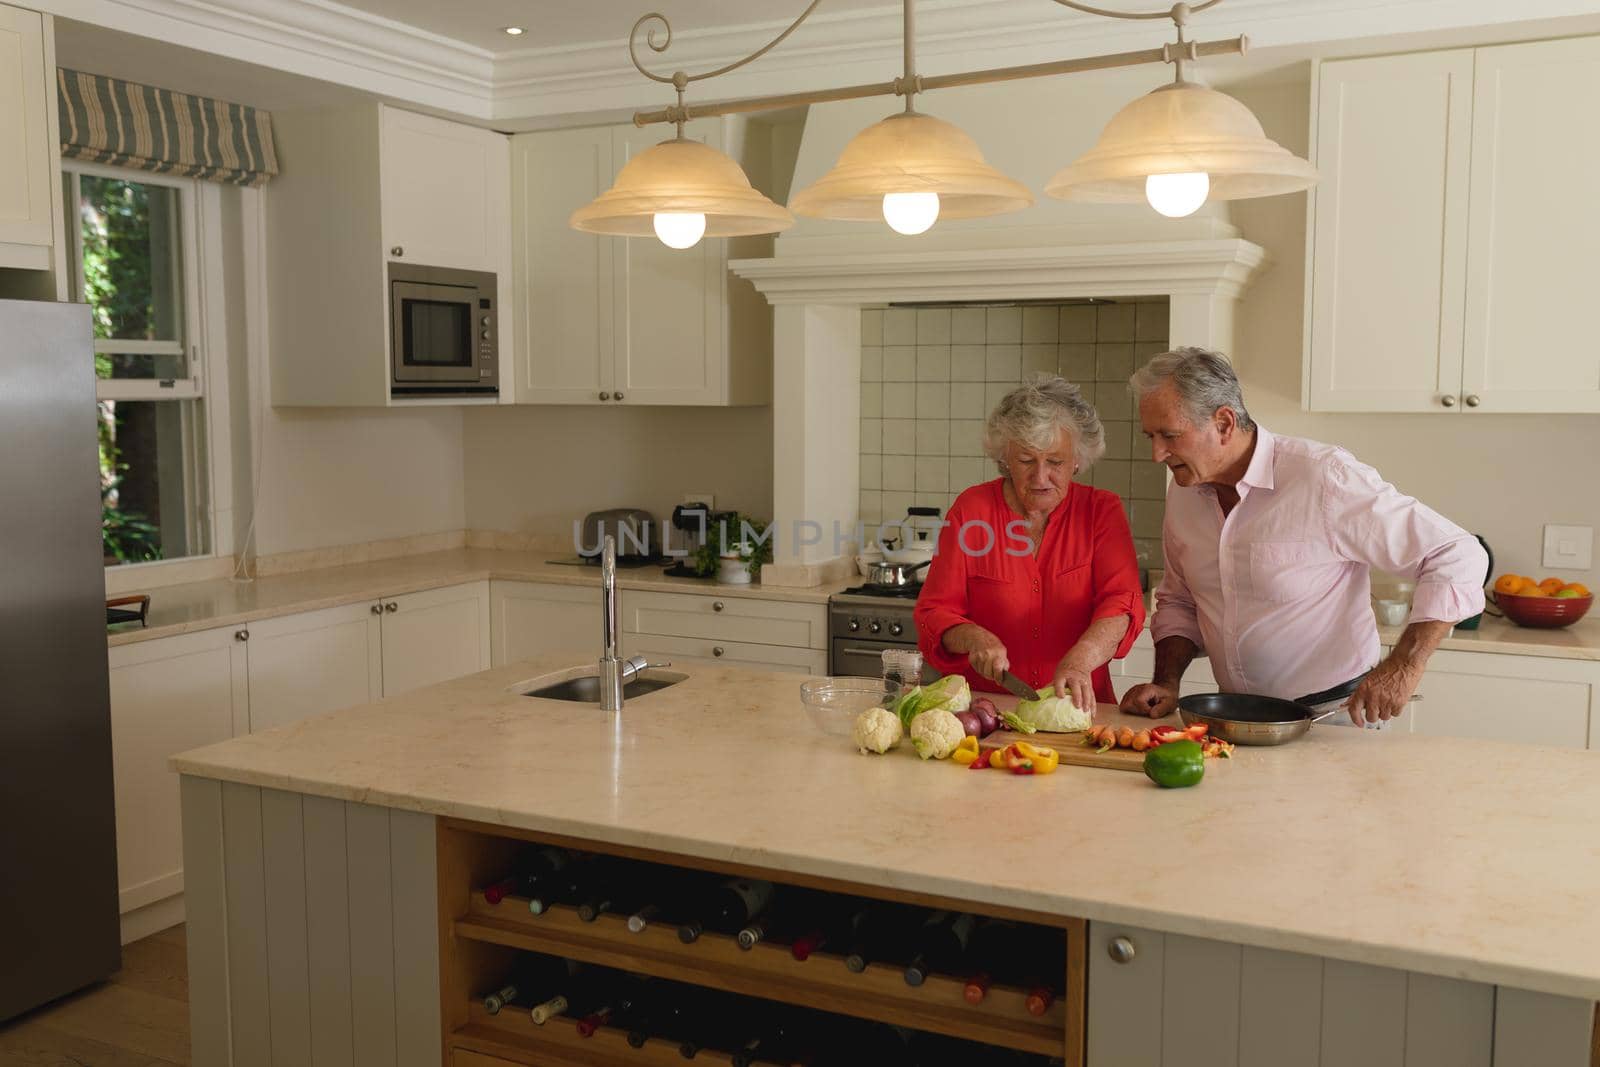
{"x": 679, "y": 191}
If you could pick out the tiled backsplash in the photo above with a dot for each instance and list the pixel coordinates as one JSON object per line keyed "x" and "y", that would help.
{"x": 930, "y": 377}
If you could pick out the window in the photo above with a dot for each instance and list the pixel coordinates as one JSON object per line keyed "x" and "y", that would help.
{"x": 133, "y": 236}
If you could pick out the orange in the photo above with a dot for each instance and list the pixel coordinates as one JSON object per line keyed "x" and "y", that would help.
{"x": 1551, "y": 586}
{"x": 1579, "y": 588}
{"x": 1510, "y": 584}
{"x": 1532, "y": 590}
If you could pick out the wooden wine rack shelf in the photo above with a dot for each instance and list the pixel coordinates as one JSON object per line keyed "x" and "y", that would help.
{"x": 475, "y": 937}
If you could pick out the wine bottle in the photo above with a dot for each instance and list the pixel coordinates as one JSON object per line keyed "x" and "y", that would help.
{"x": 532, "y": 974}
{"x": 662, "y": 1017}
{"x": 568, "y": 886}
{"x": 940, "y": 945}
{"x": 532, "y": 867}
{"x": 791, "y": 911}
{"x": 884, "y": 933}
{"x": 726, "y": 908}
{"x": 614, "y": 888}
{"x": 623, "y": 995}
{"x": 581, "y": 994}
{"x": 835, "y": 926}
{"x": 671, "y": 896}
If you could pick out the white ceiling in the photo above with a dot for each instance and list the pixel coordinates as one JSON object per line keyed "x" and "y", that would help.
{"x": 559, "y": 23}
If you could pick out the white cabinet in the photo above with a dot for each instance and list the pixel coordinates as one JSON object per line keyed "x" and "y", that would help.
{"x": 167, "y": 696}
{"x": 435, "y": 635}
{"x": 1447, "y": 265}
{"x": 28, "y": 158}
{"x": 370, "y": 185}
{"x": 313, "y": 662}
{"x": 690, "y": 628}
{"x": 1534, "y": 226}
{"x": 529, "y": 619}
{"x": 1493, "y": 697}
{"x": 628, "y": 320}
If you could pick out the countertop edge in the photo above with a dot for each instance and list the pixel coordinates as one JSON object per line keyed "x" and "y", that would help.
{"x": 1466, "y": 968}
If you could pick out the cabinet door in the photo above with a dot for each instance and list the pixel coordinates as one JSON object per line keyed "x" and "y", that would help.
{"x": 434, "y": 636}
{"x": 167, "y": 696}
{"x": 670, "y": 346}
{"x": 1389, "y": 233}
{"x": 314, "y": 662}
{"x": 529, "y": 619}
{"x": 1535, "y": 224}
{"x": 446, "y": 192}
{"x": 1506, "y": 698}
{"x": 562, "y": 278}
{"x": 26, "y": 94}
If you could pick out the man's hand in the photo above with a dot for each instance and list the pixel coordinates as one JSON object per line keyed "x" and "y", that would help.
{"x": 1072, "y": 680}
{"x": 1152, "y": 699}
{"x": 989, "y": 658}
{"x": 1384, "y": 693}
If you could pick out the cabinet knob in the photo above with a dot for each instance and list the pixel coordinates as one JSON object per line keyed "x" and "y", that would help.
{"x": 717, "y": 605}
{"x": 1121, "y": 950}
{"x": 241, "y": 635}
{"x": 619, "y": 394}
{"x": 391, "y": 607}
{"x": 1448, "y": 401}
{"x": 605, "y": 396}
{"x": 1473, "y": 400}
{"x": 397, "y": 251}
{"x": 717, "y": 650}
{"x": 376, "y": 609}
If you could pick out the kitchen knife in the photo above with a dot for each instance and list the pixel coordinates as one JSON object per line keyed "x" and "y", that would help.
{"x": 1017, "y": 687}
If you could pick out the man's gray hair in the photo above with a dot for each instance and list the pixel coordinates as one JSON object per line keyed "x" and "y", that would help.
{"x": 1204, "y": 380}
{"x": 1034, "y": 414}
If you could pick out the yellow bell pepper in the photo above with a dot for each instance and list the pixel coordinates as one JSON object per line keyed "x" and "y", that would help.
{"x": 1043, "y": 760}
{"x": 967, "y": 751}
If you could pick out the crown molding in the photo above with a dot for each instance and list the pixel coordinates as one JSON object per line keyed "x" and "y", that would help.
{"x": 326, "y": 40}
{"x": 1146, "y": 268}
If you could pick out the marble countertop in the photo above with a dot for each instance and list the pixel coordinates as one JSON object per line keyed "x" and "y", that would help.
{"x": 1460, "y": 858}
{"x": 1581, "y": 640}
{"x": 194, "y": 606}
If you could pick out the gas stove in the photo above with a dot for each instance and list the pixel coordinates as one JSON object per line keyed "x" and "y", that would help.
{"x": 863, "y": 621}
{"x": 881, "y": 592}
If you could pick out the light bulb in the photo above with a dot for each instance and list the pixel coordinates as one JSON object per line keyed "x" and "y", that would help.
{"x": 1177, "y": 195}
{"x": 910, "y": 213}
{"x": 679, "y": 229}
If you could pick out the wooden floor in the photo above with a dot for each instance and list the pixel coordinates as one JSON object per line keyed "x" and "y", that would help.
{"x": 137, "y": 1018}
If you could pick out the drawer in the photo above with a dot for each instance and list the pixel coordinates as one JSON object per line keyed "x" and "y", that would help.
{"x": 726, "y": 618}
{"x": 683, "y": 651}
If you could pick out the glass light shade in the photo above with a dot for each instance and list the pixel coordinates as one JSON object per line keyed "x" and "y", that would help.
{"x": 1182, "y": 128}
{"x": 910, "y": 153}
{"x": 679, "y": 229}
{"x": 681, "y": 177}
{"x": 910, "y": 213}
{"x": 1176, "y": 195}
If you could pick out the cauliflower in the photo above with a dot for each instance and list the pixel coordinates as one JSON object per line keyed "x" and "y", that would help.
{"x": 877, "y": 730}
{"x": 936, "y": 733}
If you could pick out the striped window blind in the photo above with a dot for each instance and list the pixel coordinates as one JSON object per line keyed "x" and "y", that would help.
{"x": 105, "y": 120}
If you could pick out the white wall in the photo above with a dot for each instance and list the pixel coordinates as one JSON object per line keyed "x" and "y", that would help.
{"x": 1502, "y": 476}
{"x": 332, "y": 476}
{"x": 535, "y": 469}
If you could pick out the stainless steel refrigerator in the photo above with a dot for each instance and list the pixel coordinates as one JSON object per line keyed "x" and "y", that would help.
{"x": 58, "y": 851}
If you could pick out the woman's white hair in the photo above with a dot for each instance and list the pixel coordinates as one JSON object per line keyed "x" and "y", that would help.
{"x": 1034, "y": 414}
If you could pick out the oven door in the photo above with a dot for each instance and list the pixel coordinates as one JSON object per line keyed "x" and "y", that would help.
{"x": 855, "y": 658}
{"x": 432, "y": 334}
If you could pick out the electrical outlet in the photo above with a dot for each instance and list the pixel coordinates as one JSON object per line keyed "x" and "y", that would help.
{"x": 708, "y": 499}
{"x": 1569, "y": 548}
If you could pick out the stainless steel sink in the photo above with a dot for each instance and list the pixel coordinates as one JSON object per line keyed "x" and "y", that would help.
{"x": 586, "y": 690}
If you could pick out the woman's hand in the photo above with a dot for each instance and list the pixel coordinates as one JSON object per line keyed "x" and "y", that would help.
{"x": 988, "y": 657}
{"x": 1072, "y": 679}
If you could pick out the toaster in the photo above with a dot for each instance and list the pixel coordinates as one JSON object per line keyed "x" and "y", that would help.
{"x": 633, "y": 528}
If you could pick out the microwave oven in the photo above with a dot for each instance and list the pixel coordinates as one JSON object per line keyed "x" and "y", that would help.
{"x": 444, "y": 332}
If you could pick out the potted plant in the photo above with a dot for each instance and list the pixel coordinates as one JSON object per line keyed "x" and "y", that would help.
{"x": 735, "y": 548}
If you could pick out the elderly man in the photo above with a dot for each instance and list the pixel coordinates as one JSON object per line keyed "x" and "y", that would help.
{"x": 1268, "y": 544}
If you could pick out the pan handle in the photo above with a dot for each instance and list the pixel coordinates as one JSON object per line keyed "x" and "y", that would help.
{"x": 1334, "y": 711}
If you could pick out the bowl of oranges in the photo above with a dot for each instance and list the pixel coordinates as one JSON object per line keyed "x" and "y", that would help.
{"x": 1545, "y": 604}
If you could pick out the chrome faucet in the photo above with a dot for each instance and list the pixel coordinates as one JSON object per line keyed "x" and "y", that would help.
{"x": 615, "y": 672}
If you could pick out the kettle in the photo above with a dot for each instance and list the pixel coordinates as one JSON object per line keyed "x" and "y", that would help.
{"x": 919, "y": 537}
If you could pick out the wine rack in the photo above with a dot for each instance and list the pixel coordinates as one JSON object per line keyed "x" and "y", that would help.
{"x": 477, "y": 938}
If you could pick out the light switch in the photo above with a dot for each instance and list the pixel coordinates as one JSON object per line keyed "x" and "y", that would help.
{"x": 1569, "y": 547}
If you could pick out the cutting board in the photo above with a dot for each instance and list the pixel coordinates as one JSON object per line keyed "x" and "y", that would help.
{"x": 1073, "y": 750}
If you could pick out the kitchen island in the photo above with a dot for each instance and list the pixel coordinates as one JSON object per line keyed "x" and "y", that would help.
{"x": 1345, "y": 899}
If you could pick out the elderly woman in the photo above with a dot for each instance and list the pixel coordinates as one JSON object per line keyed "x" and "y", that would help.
{"x": 1035, "y": 572}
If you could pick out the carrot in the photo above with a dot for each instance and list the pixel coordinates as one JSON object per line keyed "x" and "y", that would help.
{"x": 1141, "y": 740}
{"x": 1125, "y": 737}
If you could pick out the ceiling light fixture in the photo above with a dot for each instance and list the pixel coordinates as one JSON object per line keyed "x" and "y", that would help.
{"x": 512, "y": 31}
{"x": 1175, "y": 148}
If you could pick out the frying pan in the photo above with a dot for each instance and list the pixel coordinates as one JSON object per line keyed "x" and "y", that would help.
{"x": 1243, "y": 719}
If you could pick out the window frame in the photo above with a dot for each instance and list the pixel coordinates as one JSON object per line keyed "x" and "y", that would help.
{"x": 205, "y": 423}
